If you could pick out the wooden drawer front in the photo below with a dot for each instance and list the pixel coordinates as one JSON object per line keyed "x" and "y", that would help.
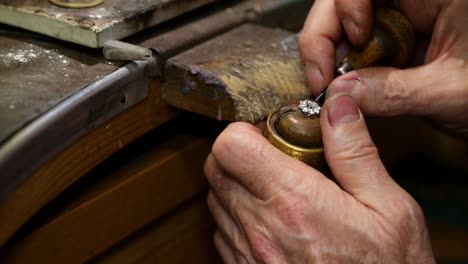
{"x": 139, "y": 192}
{"x": 186, "y": 236}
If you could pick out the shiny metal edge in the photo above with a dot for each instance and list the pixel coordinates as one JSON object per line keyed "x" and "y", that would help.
{"x": 48, "y": 135}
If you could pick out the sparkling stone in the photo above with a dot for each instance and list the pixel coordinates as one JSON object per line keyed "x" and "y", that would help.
{"x": 309, "y": 107}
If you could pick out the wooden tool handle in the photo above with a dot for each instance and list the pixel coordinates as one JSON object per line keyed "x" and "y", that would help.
{"x": 390, "y": 44}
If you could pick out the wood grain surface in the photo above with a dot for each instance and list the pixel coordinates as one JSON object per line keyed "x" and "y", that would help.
{"x": 449, "y": 242}
{"x": 128, "y": 197}
{"x": 79, "y": 158}
{"x": 185, "y": 236}
{"x": 242, "y": 75}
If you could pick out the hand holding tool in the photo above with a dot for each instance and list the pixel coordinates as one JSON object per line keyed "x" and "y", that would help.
{"x": 295, "y": 129}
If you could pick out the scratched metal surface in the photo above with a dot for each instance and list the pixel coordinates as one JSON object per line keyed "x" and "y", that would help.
{"x": 114, "y": 18}
{"x": 36, "y": 74}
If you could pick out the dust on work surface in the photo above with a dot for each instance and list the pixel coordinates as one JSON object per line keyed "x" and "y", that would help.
{"x": 36, "y": 74}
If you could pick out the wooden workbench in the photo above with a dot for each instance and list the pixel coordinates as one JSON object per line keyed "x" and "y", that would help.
{"x": 95, "y": 165}
{"x": 108, "y": 172}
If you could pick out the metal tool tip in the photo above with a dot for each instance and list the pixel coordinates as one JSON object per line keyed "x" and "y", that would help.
{"x": 319, "y": 97}
{"x": 343, "y": 68}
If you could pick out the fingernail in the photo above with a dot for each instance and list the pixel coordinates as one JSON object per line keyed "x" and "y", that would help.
{"x": 351, "y": 27}
{"x": 314, "y": 76}
{"x": 343, "y": 110}
{"x": 347, "y": 86}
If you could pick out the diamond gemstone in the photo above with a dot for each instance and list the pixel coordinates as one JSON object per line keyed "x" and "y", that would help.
{"x": 309, "y": 107}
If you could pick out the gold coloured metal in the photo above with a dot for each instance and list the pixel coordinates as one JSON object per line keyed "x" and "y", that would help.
{"x": 311, "y": 156}
{"x": 76, "y": 4}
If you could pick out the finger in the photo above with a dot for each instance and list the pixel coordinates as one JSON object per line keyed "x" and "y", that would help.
{"x": 351, "y": 154}
{"x": 261, "y": 125}
{"x": 356, "y": 18}
{"x": 224, "y": 249}
{"x": 231, "y": 193}
{"x": 247, "y": 156}
{"x": 230, "y": 230}
{"x": 422, "y": 13}
{"x": 317, "y": 42}
{"x": 342, "y": 50}
{"x": 432, "y": 90}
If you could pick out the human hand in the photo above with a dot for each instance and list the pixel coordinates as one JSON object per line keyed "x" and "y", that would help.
{"x": 438, "y": 90}
{"x": 271, "y": 208}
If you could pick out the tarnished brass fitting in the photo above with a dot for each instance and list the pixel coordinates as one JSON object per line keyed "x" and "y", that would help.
{"x": 76, "y": 3}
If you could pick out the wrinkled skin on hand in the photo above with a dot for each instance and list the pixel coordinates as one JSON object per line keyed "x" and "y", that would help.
{"x": 438, "y": 89}
{"x": 271, "y": 208}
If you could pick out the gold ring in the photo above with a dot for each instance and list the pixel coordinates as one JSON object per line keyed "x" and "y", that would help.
{"x": 76, "y": 4}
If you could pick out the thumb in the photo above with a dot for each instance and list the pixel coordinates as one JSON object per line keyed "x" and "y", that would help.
{"x": 432, "y": 90}
{"x": 351, "y": 155}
